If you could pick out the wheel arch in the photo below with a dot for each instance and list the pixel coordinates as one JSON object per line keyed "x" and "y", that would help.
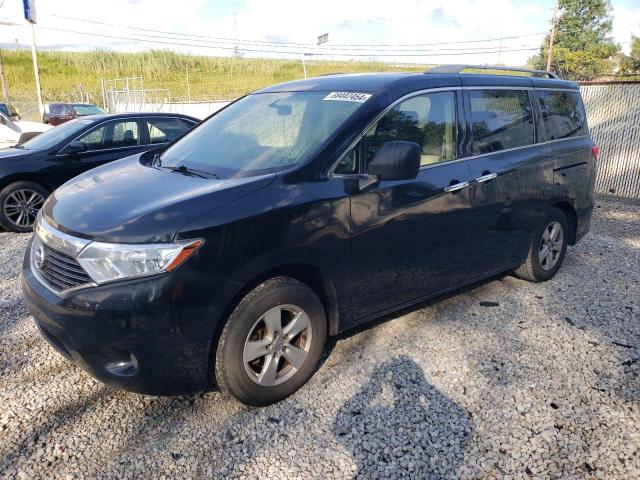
{"x": 309, "y": 274}
{"x": 572, "y": 218}
{"x": 11, "y": 179}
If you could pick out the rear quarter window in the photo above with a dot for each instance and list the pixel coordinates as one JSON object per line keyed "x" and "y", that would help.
{"x": 165, "y": 129}
{"x": 563, "y": 114}
{"x": 500, "y": 119}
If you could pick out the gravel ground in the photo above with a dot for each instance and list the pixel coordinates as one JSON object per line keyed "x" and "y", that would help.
{"x": 542, "y": 382}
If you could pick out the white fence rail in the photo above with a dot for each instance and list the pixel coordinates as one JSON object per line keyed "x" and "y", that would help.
{"x": 199, "y": 110}
{"x": 613, "y": 111}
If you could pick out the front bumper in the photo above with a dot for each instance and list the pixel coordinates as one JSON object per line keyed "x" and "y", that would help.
{"x": 166, "y": 323}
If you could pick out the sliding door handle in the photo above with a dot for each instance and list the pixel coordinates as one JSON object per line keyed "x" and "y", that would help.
{"x": 455, "y": 187}
{"x": 486, "y": 178}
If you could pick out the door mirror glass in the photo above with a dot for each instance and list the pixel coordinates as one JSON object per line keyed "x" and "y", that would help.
{"x": 396, "y": 160}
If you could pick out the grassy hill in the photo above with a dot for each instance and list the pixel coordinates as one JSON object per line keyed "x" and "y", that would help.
{"x": 62, "y": 73}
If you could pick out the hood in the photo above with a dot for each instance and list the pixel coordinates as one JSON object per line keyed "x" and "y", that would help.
{"x": 125, "y": 201}
{"x": 26, "y": 127}
{"x": 11, "y": 131}
{"x": 14, "y": 153}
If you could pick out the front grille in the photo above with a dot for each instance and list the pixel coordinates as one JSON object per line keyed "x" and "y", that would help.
{"x": 61, "y": 271}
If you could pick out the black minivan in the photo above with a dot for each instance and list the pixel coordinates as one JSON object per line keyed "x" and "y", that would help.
{"x": 303, "y": 210}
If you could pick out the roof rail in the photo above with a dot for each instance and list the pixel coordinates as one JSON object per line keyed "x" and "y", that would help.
{"x": 461, "y": 68}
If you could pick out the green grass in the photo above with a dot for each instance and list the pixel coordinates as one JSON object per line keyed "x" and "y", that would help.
{"x": 209, "y": 77}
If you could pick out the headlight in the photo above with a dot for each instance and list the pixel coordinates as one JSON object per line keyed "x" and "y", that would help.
{"x": 106, "y": 262}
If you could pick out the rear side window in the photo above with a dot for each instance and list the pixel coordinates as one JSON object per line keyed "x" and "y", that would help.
{"x": 563, "y": 114}
{"x": 500, "y": 119}
{"x": 163, "y": 130}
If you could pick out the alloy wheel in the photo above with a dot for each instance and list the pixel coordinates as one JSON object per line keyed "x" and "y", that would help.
{"x": 21, "y": 207}
{"x": 277, "y": 345}
{"x": 551, "y": 245}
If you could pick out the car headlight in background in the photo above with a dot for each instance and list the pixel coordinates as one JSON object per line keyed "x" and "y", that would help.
{"x": 106, "y": 262}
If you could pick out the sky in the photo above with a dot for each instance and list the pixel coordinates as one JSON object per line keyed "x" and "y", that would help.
{"x": 402, "y": 31}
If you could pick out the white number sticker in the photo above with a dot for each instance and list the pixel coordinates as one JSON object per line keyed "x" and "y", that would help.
{"x": 348, "y": 97}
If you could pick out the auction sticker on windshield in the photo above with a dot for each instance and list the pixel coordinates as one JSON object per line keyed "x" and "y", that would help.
{"x": 348, "y": 97}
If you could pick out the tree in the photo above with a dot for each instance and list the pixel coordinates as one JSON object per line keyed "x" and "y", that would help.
{"x": 630, "y": 64}
{"x": 582, "y": 47}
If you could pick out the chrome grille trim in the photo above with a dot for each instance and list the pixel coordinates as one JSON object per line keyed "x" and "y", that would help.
{"x": 57, "y": 240}
{"x": 60, "y": 273}
{"x": 55, "y": 272}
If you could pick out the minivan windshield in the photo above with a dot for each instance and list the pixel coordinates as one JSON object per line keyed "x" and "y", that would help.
{"x": 53, "y": 137}
{"x": 261, "y": 133}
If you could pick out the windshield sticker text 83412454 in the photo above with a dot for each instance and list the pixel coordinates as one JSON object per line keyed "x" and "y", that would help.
{"x": 348, "y": 97}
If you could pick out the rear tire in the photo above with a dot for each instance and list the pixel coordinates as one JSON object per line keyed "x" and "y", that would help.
{"x": 19, "y": 205}
{"x": 547, "y": 249}
{"x": 272, "y": 342}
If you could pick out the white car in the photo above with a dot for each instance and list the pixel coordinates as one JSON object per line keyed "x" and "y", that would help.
{"x": 18, "y": 131}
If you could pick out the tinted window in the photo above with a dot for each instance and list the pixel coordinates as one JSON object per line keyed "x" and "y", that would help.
{"x": 87, "y": 110}
{"x": 500, "y": 119}
{"x": 115, "y": 134}
{"x": 56, "y": 109}
{"x": 429, "y": 120}
{"x": 562, "y": 114}
{"x": 261, "y": 133}
{"x": 162, "y": 130}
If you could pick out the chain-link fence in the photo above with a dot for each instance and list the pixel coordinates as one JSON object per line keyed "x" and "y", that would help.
{"x": 613, "y": 110}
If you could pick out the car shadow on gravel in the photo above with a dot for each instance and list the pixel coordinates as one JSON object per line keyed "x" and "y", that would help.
{"x": 398, "y": 425}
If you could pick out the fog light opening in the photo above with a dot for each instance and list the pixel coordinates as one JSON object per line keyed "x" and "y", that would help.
{"x": 123, "y": 368}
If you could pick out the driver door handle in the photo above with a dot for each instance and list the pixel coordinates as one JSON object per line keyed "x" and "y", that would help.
{"x": 455, "y": 187}
{"x": 486, "y": 178}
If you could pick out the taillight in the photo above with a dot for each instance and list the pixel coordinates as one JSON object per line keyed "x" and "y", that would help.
{"x": 596, "y": 151}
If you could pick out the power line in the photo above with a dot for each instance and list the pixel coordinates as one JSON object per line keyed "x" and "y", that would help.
{"x": 289, "y": 44}
{"x": 254, "y": 50}
{"x": 328, "y": 50}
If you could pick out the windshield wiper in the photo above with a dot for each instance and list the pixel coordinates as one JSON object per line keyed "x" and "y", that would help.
{"x": 19, "y": 145}
{"x": 185, "y": 171}
{"x": 156, "y": 161}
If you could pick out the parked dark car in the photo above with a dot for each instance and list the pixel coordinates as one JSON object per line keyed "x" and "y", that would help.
{"x": 9, "y": 111}
{"x": 29, "y": 172}
{"x": 63, "y": 112}
{"x": 301, "y": 211}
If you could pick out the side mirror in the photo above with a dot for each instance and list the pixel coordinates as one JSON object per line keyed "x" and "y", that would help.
{"x": 74, "y": 147}
{"x": 396, "y": 160}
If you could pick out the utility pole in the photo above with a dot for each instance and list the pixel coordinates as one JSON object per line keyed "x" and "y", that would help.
{"x": 3, "y": 80}
{"x": 551, "y": 37}
{"x": 188, "y": 85}
{"x": 34, "y": 54}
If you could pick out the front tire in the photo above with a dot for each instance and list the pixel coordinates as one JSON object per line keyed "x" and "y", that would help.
{"x": 547, "y": 250}
{"x": 272, "y": 342}
{"x": 20, "y": 203}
